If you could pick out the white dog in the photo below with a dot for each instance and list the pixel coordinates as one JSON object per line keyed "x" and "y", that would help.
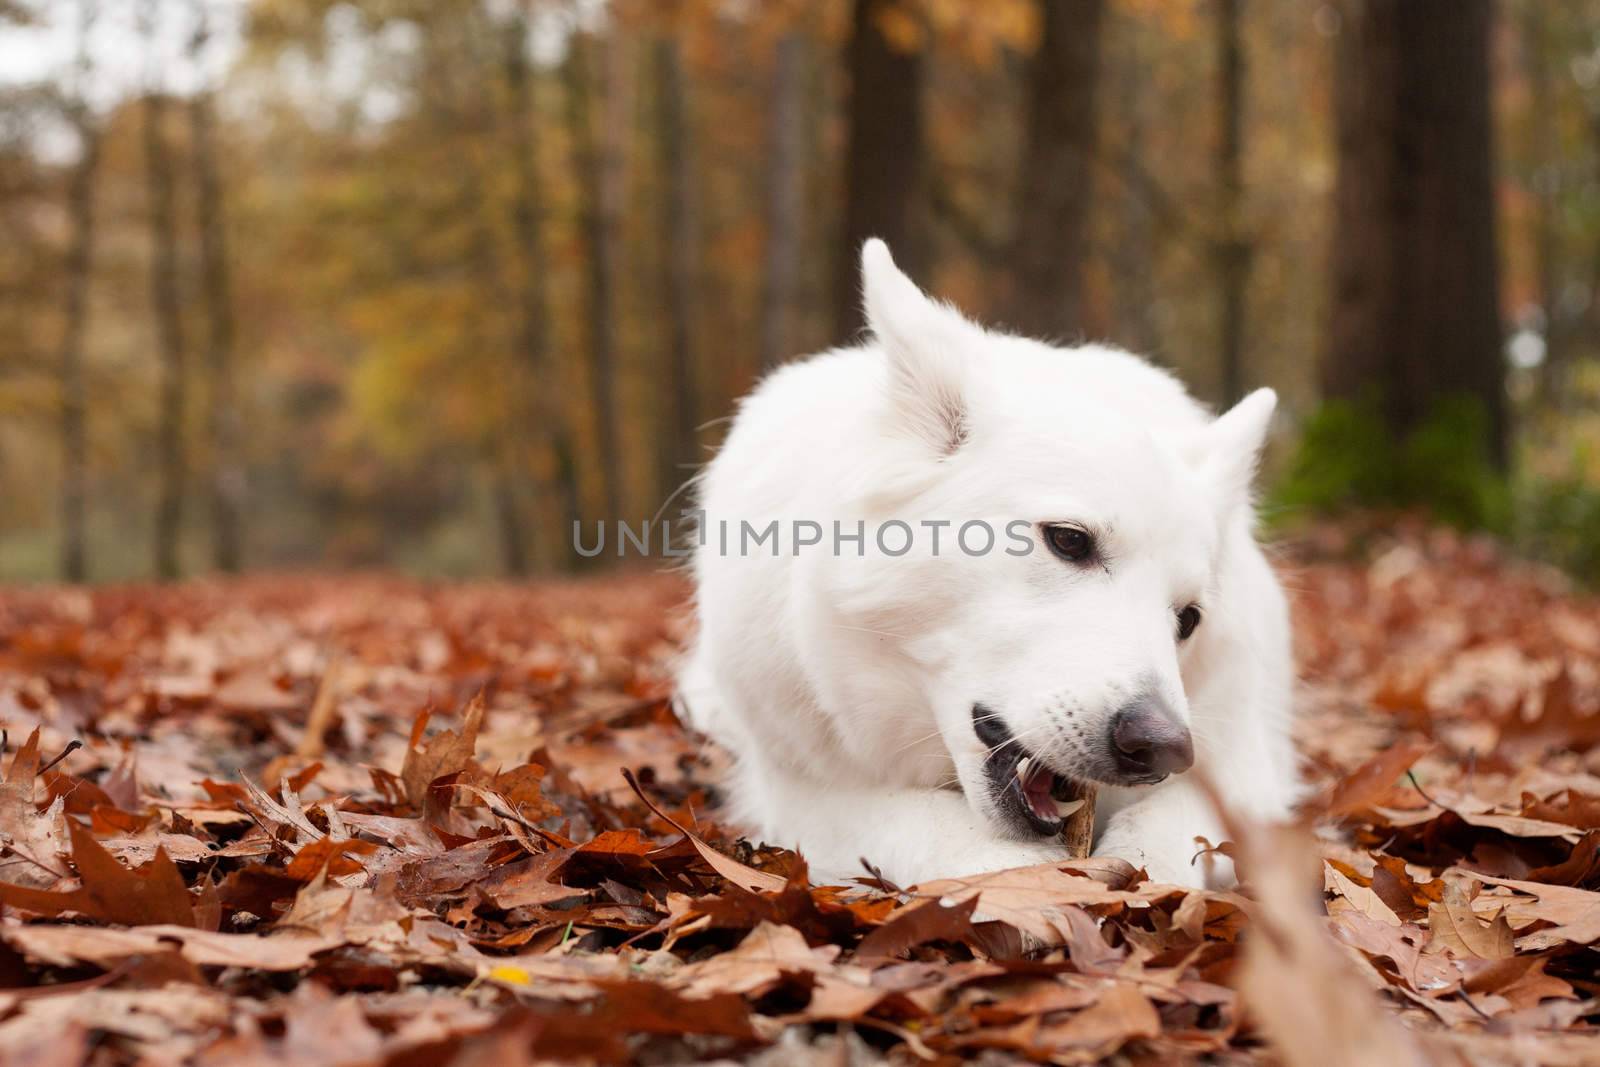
{"x": 940, "y": 570}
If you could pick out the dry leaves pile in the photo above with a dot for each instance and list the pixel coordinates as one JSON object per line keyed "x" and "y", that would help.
{"x": 362, "y": 821}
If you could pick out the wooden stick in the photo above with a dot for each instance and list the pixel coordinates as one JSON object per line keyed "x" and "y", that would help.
{"x": 314, "y": 741}
{"x": 1077, "y": 830}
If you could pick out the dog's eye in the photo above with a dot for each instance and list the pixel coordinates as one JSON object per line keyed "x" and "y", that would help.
{"x": 1188, "y": 619}
{"x": 1069, "y": 542}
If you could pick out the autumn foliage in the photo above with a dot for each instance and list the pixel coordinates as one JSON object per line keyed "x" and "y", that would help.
{"x": 361, "y": 820}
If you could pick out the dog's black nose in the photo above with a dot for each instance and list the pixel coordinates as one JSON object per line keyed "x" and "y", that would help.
{"x": 1148, "y": 742}
{"x": 987, "y": 725}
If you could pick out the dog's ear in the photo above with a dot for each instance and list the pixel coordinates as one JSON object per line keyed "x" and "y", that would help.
{"x": 926, "y": 343}
{"x": 1230, "y": 448}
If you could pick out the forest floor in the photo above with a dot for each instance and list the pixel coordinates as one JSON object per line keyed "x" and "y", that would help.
{"x": 366, "y": 820}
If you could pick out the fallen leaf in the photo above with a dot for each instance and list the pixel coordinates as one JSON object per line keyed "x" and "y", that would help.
{"x": 1574, "y": 914}
{"x": 1580, "y": 868}
{"x": 1341, "y": 1021}
{"x": 1121, "y": 1015}
{"x": 1458, "y": 929}
{"x": 929, "y": 920}
{"x": 1361, "y": 898}
{"x": 68, "y": 946}
{"x": 1034, "y": 899}
{"x": 148, "y": 895}
{"x": 32, "y": 843}
{"x": 255, "y": 691}
{"x": 741, "y": 875}
{"x": 1371, "y": 782}
{"x": 336, "y": 858}
{"x": 1555, "y": 723}
{"x": 446, "y": 753}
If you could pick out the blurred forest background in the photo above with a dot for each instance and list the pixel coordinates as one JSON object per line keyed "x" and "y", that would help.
{"x": 415, "y": 283}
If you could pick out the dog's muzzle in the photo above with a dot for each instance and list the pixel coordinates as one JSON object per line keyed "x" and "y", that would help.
{"x": 1148, "y": 743}
{"x": 1144, "y": 743}
{"x": 1025, "y": 790}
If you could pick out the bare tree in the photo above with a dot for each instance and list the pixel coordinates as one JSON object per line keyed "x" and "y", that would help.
{"x": 1232, "y": 249}
{"x": 785, "y": 200}
{"x": 1414, "y": 315}
{"x": 461, "y": 102}
{"x": 679, "y": 266}
{"x": 507, "y": 510}
{"x": 1132, "y": 257}
{"x": 598, "y": 176}
{"x": 551, "y": 436}
{"x": 165, "y": 303}
{"x": 1053, "y": 210}
{"x": 1544, "y": 150}
{"x": 883, "y": 156}
{"x": 79, "y": 270}
{"x": 227, "y": 472}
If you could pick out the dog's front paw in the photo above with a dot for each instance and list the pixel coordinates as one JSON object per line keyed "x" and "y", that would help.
{"x": 1031, "y": 854}
{"x": 1162, "y": 865}
{"x": 993, "y": 856}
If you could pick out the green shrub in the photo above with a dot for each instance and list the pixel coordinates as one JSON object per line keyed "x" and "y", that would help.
{"x": 1348, "y": 458}
{"x": 1558, "y": 520}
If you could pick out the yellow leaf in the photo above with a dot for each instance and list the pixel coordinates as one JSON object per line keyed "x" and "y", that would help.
{"x": 510, "y": 975}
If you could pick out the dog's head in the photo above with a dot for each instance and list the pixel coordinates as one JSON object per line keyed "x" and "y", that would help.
{"x": 1060, "y": 652}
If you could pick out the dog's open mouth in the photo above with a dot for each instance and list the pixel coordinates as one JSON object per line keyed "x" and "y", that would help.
{"x": 1027, "y": 791}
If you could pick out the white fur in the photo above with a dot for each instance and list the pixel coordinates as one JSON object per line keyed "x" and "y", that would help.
{"x": 844, "y": 684}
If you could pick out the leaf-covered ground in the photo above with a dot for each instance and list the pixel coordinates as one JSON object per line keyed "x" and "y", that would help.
{"x": 362, "y": 821}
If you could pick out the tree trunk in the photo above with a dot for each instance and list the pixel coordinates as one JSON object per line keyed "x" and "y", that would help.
{"x": 79, "y": 270}
{"x": 1133, "y": 256}
{"x": 1233, "y": 250}
{"x": 227, "y": 474}
{"x": 785, "y": 201}
{"x": 164, "y": 299}
{"x": 556, "y": 496}
{"x": 461, "y": 103}
{"x": 883, "y": 158}
{"x": 1052, "y": 213}
{"x": 679, "y": 266}
{"x": 508, "y": 515}
{"x": 1590, "y": 323}
{"x": 1544, "y": 151}
{"x": 1415, "y": 316}
{"x": 601, "y": 219}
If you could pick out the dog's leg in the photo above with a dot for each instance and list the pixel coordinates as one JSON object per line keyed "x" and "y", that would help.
{"x": 1159, "y": 831}
{"x": 911, "y": 835}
